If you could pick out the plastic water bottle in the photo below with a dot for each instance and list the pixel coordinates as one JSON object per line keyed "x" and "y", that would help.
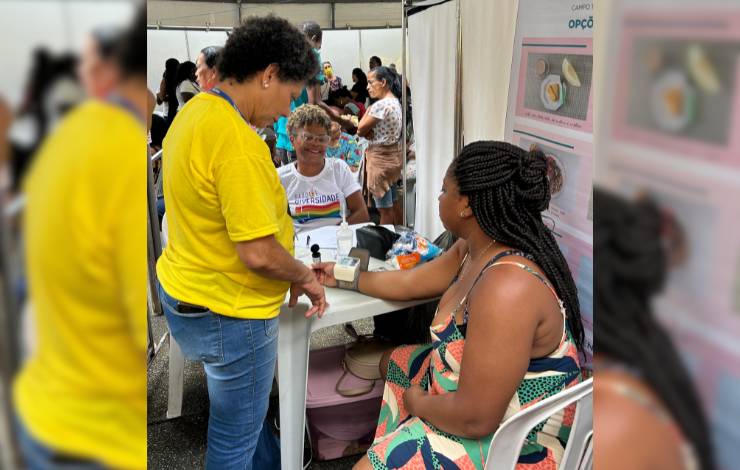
{"x": 345, "y": 236}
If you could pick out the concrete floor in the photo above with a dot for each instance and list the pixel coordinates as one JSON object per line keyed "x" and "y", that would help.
{"x": 180, "y": 444}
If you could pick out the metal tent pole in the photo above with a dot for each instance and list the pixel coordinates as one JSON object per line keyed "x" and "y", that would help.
{"x": 154, "y": 242}
{"x": 404, "y": 99}
{"x": 9, "y": 341}
{"x": 458, "y": 82}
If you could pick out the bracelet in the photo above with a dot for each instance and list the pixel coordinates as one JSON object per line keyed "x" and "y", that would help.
{"x": 364, "y": 256}
{"x": 354, "y": 285}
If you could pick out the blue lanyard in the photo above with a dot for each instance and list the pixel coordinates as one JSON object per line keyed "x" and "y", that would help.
{"x": 118, "y": 100}
{"x": 222, "y": 94}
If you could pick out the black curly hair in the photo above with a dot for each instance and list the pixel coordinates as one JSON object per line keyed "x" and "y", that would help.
{"x": 185, "y": 71}
{"x": 263, "y": 40}
{"x": 632, "y": 268}
{"x": 507, "y": 189}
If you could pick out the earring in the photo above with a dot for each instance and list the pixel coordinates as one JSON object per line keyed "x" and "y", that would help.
{"x": 265, "y": 85}
{"x": 462, "y": 213}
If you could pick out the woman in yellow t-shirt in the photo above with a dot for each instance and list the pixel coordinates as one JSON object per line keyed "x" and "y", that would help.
{"x": 80, "y": 397}
{"x": 229, "y": 259}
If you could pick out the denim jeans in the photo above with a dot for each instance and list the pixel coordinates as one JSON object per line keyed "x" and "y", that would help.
{"x": 38, "y": 456}
{"x": 160, "y": 209}
{"x": 388, "y": 199}
{"x": 239, "y": 359}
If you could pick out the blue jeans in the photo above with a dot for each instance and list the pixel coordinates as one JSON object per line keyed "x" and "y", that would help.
{"x": 38, "y": 456}
{"x": 388, "y": 199}
{"x": 160, "y": 208}
{"x": 239, "y": 359}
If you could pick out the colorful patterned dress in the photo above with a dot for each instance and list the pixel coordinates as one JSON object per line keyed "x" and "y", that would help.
{"x": 403, "y": 441}
{"x": 348, "y": 149}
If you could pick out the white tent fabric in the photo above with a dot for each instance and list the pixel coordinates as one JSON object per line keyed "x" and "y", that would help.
{"x": 344, "y": 49}
{"x": 432, "y": 44}
{"x": 488, "y": 42}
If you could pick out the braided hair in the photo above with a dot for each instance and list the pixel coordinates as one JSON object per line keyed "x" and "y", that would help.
{"x": 632, "y": 269}
{"x": 507, "y": 188}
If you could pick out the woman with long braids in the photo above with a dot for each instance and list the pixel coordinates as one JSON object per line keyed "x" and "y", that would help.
{"x": 648, "y": 412}
{"x": 508, "y": 302}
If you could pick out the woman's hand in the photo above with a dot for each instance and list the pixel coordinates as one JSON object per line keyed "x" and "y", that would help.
{"x": 411, "y": 398}
{"x": 325, "y": 274}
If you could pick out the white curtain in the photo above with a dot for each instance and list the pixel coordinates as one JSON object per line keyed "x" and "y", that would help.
{"x": 432, "y": 45}
{"x": 488, "y": 43}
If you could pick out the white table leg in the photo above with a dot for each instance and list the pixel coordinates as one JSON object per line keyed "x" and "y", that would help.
{"x": 293, "y": 341}
{"x": 175, "y": 379}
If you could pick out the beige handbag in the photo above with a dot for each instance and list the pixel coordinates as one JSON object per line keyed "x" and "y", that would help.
{"x": 362, "y": 359}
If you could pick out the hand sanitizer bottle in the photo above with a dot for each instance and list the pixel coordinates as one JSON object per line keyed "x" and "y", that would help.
{"x": 344, "y": 235}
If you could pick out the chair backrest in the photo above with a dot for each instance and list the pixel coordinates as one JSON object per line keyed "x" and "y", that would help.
{"x": 587, "y": 462}
{"x": 507, "y": 443}
{"x": 580, "y": 434}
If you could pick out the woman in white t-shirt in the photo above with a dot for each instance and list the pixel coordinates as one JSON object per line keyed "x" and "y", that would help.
{"x": 382, "y": 125}
{"x": 318, "y": 187}
{"x": 186, "y": 84}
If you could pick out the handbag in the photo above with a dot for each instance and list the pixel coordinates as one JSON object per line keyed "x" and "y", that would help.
{"x": 376, "y": 239}
{"x": 361, "y": 359}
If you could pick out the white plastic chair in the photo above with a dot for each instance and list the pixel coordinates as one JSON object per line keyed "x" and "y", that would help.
{"x": 587, "y": 462}
{"x": 507, "y": 443}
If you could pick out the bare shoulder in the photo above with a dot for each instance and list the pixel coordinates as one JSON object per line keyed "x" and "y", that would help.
{"x": 505, "y": 296}
{"x": 506, "y": 283}
{"x": 630, "y": 435}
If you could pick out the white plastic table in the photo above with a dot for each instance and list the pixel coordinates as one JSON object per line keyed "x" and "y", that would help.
{"x": 293, "y": 343}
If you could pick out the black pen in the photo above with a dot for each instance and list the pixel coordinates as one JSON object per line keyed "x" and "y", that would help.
{"x": 308, "y": 239}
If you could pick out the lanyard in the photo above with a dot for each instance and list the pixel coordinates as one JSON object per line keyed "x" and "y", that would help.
{"x": 218, "y": 92}
{"x": 120, "y": 101}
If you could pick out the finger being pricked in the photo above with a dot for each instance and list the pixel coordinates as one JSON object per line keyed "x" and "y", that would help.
{"x": 322, "y": 267}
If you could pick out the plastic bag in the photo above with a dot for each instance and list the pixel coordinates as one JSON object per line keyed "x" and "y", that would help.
{"x": 410, "y": 250}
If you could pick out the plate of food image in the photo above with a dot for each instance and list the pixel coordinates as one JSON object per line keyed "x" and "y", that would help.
{"x": 555, "y": 174}
{"x": 673, "y": 101}
{"x": 552, "y": 92}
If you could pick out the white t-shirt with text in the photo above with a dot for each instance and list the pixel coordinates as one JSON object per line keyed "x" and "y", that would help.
{"x": 316, "y": 201}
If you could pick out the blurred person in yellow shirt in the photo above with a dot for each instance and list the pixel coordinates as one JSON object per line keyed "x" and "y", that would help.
{"x": 80, "y": 399}
{"x": 229, "y": 259}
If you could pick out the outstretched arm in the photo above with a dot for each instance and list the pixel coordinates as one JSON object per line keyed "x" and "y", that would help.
{"x": 424, "y": 282}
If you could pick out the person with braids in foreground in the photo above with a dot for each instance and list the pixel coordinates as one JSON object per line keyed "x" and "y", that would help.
{"x": 648, "y": 411}
{"x": 508, "y": 302}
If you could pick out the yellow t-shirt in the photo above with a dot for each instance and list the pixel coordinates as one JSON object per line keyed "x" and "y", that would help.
{"x": 220, "y": 187}
{"x": 83, "y": 391}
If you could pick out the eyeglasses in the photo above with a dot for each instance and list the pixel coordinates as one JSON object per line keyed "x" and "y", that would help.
{"x": 311, "y": 138}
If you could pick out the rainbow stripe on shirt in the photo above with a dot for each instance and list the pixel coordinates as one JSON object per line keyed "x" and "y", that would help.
{"x": 308, "y": 212}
